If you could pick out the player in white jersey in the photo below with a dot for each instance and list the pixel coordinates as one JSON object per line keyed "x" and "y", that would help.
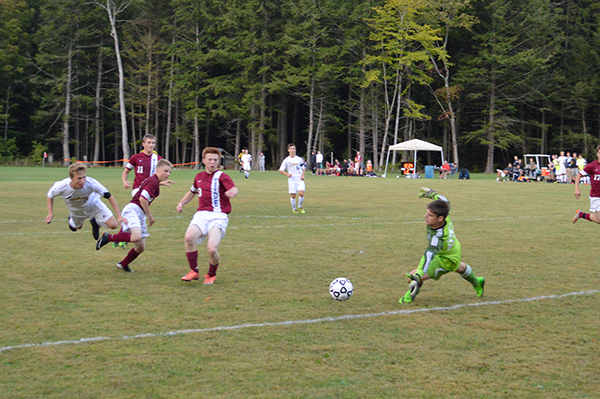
{"x": 82, "y": 196}
{"x": 246, "y": 159}
{"x": 294, "y": 167}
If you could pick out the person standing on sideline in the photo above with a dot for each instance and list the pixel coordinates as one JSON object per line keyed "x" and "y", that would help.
{"x": 210, "y": 221}
{"x": 443, "y": 254}
{"x": 319, "y": 159}
{"x": 592, "y": 170}
{"x": 293, "y": 167}
{"x": 313, "y": 162}
{"x": 82, "y": 195}
{"x": 138, "y": 216}
{"x": 261, "y": 162}
{"x": 246, "y": 159}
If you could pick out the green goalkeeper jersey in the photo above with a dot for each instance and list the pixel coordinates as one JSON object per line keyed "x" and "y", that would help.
{"x": 443, "y": 246}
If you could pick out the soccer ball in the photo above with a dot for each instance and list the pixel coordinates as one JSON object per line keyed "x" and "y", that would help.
{"x": 341, "y": 289}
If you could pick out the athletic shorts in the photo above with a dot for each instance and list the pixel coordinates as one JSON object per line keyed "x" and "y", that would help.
{"x": 247, "y": 167}
{"x": 99, "y": 211}
{"x": 295, "y": 184}
{"x": 594, "y": 204}
{"x": 135, "y": 218}
{"x": 206, "y": 220}
{"x": 441, "y": 265}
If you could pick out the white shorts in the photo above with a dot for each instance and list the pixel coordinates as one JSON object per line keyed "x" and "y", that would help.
{"x": 99, "y": 211}
{"x": 206, "y": 220}
{"x": 295, "y": 184}
{"x": 135, "y": 218}
{"x": 594, "y": 204}
{"x": 247, "y": 167}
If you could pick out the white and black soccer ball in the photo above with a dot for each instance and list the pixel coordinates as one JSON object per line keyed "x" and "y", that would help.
{"x": 341, "y": 289}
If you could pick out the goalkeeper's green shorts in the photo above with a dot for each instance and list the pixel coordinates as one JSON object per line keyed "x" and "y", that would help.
{"x": 442, "y": 264}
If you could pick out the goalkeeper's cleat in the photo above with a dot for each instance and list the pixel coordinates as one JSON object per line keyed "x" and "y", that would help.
{"x": 576, "y": 217}
{"x": 480, "y": 285}
{"x": 301, "y": 210}
{"x": 95, "y": 228}
{"x": 427, "y": 193}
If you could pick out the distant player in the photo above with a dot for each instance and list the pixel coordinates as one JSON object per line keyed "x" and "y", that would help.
{"x": 82, "y": 195}
{"x": 214, "y": 189}
{"x": 592, "y": 170}
{"x": 294, "y": 167}
{"x": 443, "y": 254}
{"x": 246, "y": 163}
{"x": 138, "y": 215}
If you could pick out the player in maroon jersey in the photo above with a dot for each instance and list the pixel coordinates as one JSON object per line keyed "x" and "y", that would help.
{"x": 139, "y": 217}
{"x": 592, "y": 169}
{"x": 210, "y": 221}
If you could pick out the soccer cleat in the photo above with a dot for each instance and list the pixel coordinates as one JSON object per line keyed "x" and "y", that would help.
{"x": 301, "y": 210}
{"x": 576, "y": 217}
{"x": 124, "y": 268}
{"x": 95, "y": 228}
{"x": 192, "y": 275}
{"x": 69, "y": 224}
{"x": 102, "y": 241}
{"x": 208, "y": 279}
{"x": 295, "y": 210}
{"x": 480, "y": 285}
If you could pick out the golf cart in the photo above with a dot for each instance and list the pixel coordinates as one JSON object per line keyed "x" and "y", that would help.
{"x": 541, "y": 161}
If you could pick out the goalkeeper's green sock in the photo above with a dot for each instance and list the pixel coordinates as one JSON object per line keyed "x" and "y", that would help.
{"x": 470, "y": 276}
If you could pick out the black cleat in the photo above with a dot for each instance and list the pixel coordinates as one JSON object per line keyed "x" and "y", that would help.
{"x": 102, "y": 241}
{"x": 124, "y": 268}
{"x": 69, "y": 224}
{"x": 95, "y": 228}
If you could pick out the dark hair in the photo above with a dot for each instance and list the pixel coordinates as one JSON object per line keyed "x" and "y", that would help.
{"x": 440, "y": 208}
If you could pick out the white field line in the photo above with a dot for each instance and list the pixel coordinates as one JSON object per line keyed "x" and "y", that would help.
{"x": 370, "y": 221}
{"x": 298, "y": 322}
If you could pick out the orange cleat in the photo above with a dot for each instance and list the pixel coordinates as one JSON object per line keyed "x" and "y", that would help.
{"x": 208, "y": 279}
{"x": 192, "y": 275}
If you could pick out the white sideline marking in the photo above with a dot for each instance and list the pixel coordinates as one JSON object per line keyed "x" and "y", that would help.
{"x": 307, "y": 321}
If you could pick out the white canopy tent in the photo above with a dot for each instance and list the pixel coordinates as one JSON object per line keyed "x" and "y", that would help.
{"x": 413, "y": 145}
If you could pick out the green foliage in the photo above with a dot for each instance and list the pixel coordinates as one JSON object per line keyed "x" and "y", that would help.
{"x": 37, "y": 153}
{"x": 8, "y": 150}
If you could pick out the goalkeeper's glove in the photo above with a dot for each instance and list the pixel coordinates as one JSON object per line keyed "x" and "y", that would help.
{"x": 427, "y": 193}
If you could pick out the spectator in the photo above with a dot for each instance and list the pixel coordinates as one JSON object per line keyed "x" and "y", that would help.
{"x": 444, "y": 170}
{"x": 531, "y": 169}
{"x": 506, "y": 172}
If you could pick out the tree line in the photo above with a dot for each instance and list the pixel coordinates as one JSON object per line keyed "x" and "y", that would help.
{"x": 486, "y": 79}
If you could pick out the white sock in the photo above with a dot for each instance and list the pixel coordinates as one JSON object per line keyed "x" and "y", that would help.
{"x": 300, "y": 201}
{"x": 293, "y": 202}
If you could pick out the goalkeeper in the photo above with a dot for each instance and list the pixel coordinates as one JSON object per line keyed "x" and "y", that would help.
{"x": 443, "y": 253}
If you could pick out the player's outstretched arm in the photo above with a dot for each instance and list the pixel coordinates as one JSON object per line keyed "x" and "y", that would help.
{"x": 431, "y": 194}
{"x": 50, "y": 202}
{"x": 166, "y": 183}
{"x": 126, "y": 184}
{"x": 232, "y": 192}
{"x": 187, "y": 197}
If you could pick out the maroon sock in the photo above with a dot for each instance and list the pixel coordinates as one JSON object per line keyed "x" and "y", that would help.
{"x": 119, "y": 237}
{"x": 130, "y": 257}
{"x": 193, "y": 260}
{"x": 586, "y": 216}
{"x": 212, "y": 270}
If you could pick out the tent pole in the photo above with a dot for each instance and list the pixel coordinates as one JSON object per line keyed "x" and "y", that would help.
{"x": 386, "y": 163}
{"x": 415, "y": 166}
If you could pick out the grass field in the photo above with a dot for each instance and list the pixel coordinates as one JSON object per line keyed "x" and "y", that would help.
{"x": 72, "y": 326}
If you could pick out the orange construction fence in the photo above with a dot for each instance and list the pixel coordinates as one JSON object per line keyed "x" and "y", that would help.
{"x": 127, "y": 160}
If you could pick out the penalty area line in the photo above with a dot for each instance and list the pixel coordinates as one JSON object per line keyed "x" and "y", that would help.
{"x": 298, "y": 322}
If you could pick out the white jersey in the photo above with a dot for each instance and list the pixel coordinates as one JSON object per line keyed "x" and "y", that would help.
{"x": 78, "y": 201}
{"x": 294, "y": 166}
{"x": 246, "y": 158}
